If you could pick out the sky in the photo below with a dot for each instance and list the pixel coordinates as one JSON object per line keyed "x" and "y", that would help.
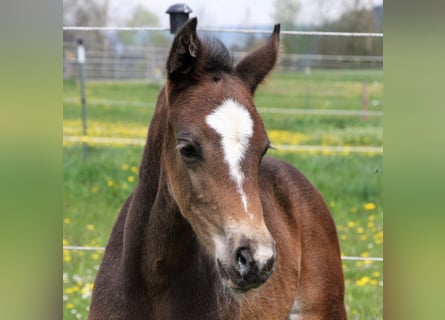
{"x": 236, "y": 13}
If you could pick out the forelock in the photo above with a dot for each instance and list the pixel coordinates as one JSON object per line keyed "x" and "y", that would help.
{"x": 217, "y": 57}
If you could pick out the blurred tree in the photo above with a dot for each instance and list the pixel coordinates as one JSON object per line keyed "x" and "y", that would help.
{"x": 143, "y": 18}
{"x": 357, "y": 17}
{"x": 86, "y": 13}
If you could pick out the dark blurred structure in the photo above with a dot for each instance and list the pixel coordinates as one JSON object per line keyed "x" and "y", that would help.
{"x": 179, "y": 14}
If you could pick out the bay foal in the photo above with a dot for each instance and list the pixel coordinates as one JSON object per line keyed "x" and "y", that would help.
{"x": 213, "y": 229}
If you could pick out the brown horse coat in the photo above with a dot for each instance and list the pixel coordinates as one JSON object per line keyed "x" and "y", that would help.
{"x": 214, "y": 230}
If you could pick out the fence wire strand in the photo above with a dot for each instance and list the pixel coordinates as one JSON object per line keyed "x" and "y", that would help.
{"x": 346, "y": 258}
{"x": 284, "y": 32}
{"x": 279, "y": 147}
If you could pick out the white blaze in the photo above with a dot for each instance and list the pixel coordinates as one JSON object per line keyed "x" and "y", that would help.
{"x": 234, "y": 124}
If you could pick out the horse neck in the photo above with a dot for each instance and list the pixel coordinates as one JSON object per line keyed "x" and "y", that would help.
{"x": 156, "y": 236}
{"x": 160, "y": 246}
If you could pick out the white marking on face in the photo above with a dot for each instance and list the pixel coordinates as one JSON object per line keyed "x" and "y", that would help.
{"x": 234, "y": 124}
{"x": 263, "y": 254}
{"x": 220, "y": 247}
{"x": 296, "y": 310}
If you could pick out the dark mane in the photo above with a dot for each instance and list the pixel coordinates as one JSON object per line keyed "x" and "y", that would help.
{"x": 218, "y": 58}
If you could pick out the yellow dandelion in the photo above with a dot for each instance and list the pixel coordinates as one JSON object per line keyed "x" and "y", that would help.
{"x": 134, "y": 169}
{"x": 130, "y": 179}
{"x": 86, "y": 289}
{"x": 94, "y": 189}
{"x": 376, "y": 274}
{"x": 343, "y": 237}
{"x": 69, "y": 305}
{"x": 90, "y": 227}
{"x": 370, "y": 224}
{"x": 369, "y": 206}
{"x": 351, "y": 224}
{"x": 95, "y": 256}
{"x": 363, "y": 281}
{"x": 67, "y": 221}
{"x": 373, "y": 282}
{"x": 76, "y": 288}
{"x": 363, "y": 237}
{"x": 67, "y": 258}
{"x": 69, "y": 290}
{"x": 65, "y": 242}
{"x": 360, "y": 230}
{"x": 378, "y": 237}
{"x": 326, "y": 152}
{"x": 110, "y": 183}
{"x": 125, "y": 166}
{"x": 332, "y": 204}
{"x": 371, "y": 217}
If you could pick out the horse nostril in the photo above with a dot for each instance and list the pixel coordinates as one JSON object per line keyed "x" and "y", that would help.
{"x": 244, "y": 260}
{"x": 251, "y": 268}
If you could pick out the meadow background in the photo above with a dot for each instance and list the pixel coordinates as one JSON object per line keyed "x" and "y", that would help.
{"x": 351, "y": 183}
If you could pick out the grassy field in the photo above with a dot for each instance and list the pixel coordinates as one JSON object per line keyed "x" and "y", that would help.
{"x": 95, "y": 189}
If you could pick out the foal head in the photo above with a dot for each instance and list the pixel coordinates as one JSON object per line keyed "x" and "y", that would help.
{"x": 212, "y": 151}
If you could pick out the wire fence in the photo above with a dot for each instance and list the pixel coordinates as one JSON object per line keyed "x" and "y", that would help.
{"x": 145, "y": 62}
{"x": 345, "y": 258}
{"x": 285, "y": 111}
{"x": 255, "y": 31}
{"x": 278, "y": 147}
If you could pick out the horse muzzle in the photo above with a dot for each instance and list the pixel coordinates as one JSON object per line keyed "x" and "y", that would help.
{"x": 247, "y": 269}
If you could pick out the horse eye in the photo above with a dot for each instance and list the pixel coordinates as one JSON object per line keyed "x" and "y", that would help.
{"x": 189, "y": 151}
{"x": 265, "y": 150}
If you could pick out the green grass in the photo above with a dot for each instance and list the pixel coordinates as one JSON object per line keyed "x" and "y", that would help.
{"x": 337, "y": 89}
{"x": 111, "y": 110}
{"x": 322, "y": 90}
{"x": 94, "y": 190}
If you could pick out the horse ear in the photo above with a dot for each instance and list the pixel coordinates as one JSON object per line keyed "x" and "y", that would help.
{"x": 255, "y": 67}
{"x": 184, "y": 52}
